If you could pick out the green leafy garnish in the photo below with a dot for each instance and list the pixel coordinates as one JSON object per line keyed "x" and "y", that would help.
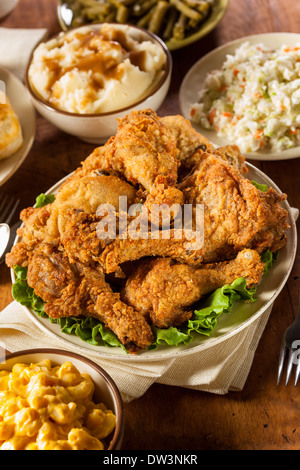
{"x": 44, "y": 199}
{"x": 24, "y": 294}
{"x": 261, "y": 187}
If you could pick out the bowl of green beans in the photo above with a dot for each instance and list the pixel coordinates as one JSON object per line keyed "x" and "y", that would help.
{"x": 178, "y": 23}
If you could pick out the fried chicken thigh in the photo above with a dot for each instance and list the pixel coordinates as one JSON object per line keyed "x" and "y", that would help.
{"x": 77, "y": 290}
{"x": 192, "y": 145}
{"x": 164, "y": 290}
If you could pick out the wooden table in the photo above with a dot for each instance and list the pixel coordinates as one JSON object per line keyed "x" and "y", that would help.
{"x": 263, "y": 415}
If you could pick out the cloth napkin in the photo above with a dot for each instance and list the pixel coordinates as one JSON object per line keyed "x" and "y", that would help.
{"x": 216, "y": 369}
{"x": 16, "y": 46}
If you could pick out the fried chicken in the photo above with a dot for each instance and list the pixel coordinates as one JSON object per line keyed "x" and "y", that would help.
{"x": 47, "y": 224}
{"x": 87, "y": 194}
{"x": 192, "y": 146}
{"x": 32, "y": 233}
{"x": 237, "y": 215}
{"x": 77, "y": 290}
{"x": 142, "y": 149}
{"x": 164, "y": 291}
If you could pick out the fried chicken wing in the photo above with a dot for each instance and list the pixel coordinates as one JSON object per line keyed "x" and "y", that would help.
{"x": 191, "y": 144}
{"x": 237, "y": 214}
{"x": 33, "y": 232}
{"x": 164, "y": 291}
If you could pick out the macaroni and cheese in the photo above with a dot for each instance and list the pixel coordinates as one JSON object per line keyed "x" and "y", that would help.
{"x": 48, "y": 407}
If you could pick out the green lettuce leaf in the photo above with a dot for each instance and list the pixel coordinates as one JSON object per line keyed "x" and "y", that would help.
{"x": 261, "y": 187}
{"x": 204, "y": 319}
{"x": 89, "y": 330}
{"x": 24, "y": 294}
{"x": 44, "y": 199}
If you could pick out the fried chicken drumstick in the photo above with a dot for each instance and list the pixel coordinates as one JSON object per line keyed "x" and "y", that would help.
{"x": 164, "y": 291}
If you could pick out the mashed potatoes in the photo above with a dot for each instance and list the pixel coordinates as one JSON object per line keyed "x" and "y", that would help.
{"x": 90, "y": 71}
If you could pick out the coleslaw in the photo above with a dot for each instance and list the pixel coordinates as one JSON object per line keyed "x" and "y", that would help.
{"x": 253, "y": 100}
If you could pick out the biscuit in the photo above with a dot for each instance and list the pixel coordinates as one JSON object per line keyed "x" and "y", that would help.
{"x": 11, "y": 137}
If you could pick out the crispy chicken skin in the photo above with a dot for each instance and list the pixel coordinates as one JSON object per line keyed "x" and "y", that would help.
{"x": 192, "y": 145}
{"x": 237, "y": 215}
{"x": 33, "y": 232}
{"x": 164, "y": 290}
{"x": 77, "y": 290}
{"x": 142, "y": 149}
{"x": 87, "y": 194}
{"x": 152, "y": 161}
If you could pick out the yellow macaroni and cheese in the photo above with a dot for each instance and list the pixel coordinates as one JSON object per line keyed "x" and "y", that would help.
{"x": 48, "y": 407}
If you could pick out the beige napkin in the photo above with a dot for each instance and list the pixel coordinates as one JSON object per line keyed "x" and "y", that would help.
{"x": 16, "y": 46}
{"x": 215, "y": 369}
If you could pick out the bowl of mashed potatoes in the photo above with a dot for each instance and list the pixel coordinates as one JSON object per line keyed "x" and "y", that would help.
{"x": 83, "y": 80}
{"x": 58, "y": 400}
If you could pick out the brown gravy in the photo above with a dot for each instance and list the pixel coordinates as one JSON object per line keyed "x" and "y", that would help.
{"x": 98, "y": 43}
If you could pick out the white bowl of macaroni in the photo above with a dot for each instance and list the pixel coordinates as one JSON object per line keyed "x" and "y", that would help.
{"x": 83, "y": 80}
{"x": 58, "y": 400}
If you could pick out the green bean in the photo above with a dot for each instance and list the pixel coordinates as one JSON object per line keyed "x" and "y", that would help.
{"x": 127, "y": 2}
{"x": 172, "y": 17}
{"x": 144, "y": 21}
{"x": 168, "y": 18}
{"x": 143, "y": 6}
{"x": 179, "y": 27}
{"x": 158, "y": 16}
{"x": 90, "y": 3}
{"x": 187, "y": 11}
{"x": 110, "y": 18}
{"x": 122, "y": 12}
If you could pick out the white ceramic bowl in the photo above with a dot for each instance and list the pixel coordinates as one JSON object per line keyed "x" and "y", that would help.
{"x": 6, "y": 6}
{"x": 106, "y": 390}
{"x": 97, "y": 128}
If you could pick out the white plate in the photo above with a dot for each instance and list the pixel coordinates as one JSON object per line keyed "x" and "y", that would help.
{"x": 21, "y": 103}
{"x": 228, "y": 325}
{"x": 195, "y": 77}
